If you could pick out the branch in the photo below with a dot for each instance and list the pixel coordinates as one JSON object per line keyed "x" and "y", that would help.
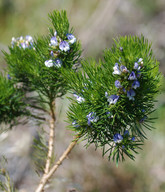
{"x": 39, "y": 108}
{"x": 51, "y": 137}
{"x": 37, "y": 117}
{"x": 51, "y": 142}
{"x": 47, "y": 176}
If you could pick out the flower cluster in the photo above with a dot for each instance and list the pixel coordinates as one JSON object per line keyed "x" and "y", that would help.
{"x": 58, "y": 46}
{"x": 115, "y": 97}
{"x": 22, "y": 42}
{"x": 131, "y": 78}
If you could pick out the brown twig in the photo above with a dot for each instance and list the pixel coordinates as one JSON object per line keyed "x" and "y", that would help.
{"x": 50, "y": 145}
{"x": 47, "y": 176}
{"x": 37, "y": 117}
{"x": 51, "y": 138}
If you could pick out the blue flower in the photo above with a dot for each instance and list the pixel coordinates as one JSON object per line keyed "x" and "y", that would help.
{"x": 138, "y": 74}
{"x": 22, "y": 42}
{"x": 29, "y": 38}
{"x": 120, "y": 59}
{"x": 71, "y": 38}
{"x": 92, "y": 117}
{"x": 124, "y": 69}
{"x": 53, "y": 41}
{"x": 133, "y": 139}
{"x": 131, "y": 94}
{"x": 116, "y": 69}
{"x": 143, "y": 119}
{"x": 49, "y": 63}
{"x": 55, "y": 33}
{"x": 140, "y": 61}
{"x": 126, "y": 132}
{"x": 124, "y": 90}
{"x": 64, "y": 46}
{"x": 8, "y": 76}
{"x": 78, "y": 98}
{"x": 13, "y": 41}
{"x": 109, "y": 114}
{"x": 23, "y": 45}
{"x": 106, "y": 94}
{"x": 112, "y": 99}
{"x": 51, "y": 53}
{"x": 121, "y": 48}
{"x": 118, "y": 84}
{"x": 135, "y": 84}
{"x": 132, "y": 76}
{"x": 117, "y": 138}
{"x": 57, "y": 63}
{"x": 136, "y": 66}
{"x": 75, "y": 124}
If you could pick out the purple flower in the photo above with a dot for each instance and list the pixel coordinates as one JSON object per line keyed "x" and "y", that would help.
{"x": 135, "y": 84}
{"x": 117, "y": 138}
{"x": 132, "y": 76}
{"x": 71, "y": 38}
{"x": 131, "y": 94}
{"x": 118, "y": 84}
{"x": 78, "y": 98}
{"x": 143, "y": 110}
{"x": 116, "y": 69}
{"x": 112, "y": 99}
{"x": 57, "y": 63}
{"x": 53, "y": 41}
{"x": 92, "y": 117}
{"x": 49, "y": 63}
{"x": 124, "y": 69}
{"x": 126, "y": 132}
{"x": 64, "y": 46}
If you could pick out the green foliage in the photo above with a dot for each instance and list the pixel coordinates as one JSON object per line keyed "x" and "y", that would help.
{"x": 6, "y": 184}
{"x": 40, "y": 84}
{"x": 62, "y": 26}
{"x": 39, "y": 153}
{"x": 117, "y": 127}
{"x": 11, "y": 101}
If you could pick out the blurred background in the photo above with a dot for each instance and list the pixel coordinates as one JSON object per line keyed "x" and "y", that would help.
{"x": 96, "y": 23}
